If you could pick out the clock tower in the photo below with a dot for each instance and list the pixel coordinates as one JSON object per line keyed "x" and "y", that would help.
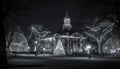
{"x": 66, "y": 27}
{"x": 67, "y": 23}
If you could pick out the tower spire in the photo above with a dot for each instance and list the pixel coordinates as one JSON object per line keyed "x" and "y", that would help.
{"x": 66, "y": 12}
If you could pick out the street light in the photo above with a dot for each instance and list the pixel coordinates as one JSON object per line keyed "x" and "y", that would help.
{"x": 87, "y": 48}
{"x": 36, "y": 42}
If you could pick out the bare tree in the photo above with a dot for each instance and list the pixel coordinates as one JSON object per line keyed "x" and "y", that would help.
{"x": 112, "y": 45}
{"x": 16, "y": 36}
{"x": 113, "y": 13}
{"x": 38, "y": 31}
{"x": 110, "y": 10}
{"x": 100, "y": 34}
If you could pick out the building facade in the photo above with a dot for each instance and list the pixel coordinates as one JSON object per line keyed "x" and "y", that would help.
{"x": 66, "y": 40}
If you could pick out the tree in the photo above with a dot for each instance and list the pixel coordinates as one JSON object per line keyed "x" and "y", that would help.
{"x": 59, "y": 49}
{"x": 113, "y": 13}
{"x": 8, "y": 8}
{"x": 19, "y": 43}
{"x": 38, "y": 31}
{"x": 8, "y": 41}
{"x": 100, "y": 34}
{"x": 110, "y": 10}
{"x": 112, "y": 45}
{"x": 16, "y": 41}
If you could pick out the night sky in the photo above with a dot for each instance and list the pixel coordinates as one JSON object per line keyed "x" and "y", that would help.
{"x": 50, "y": 14}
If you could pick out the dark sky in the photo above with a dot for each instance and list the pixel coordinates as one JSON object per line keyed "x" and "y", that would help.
{"x": 50, "y": 14}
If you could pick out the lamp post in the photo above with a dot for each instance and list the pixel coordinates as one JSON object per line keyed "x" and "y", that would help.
{"x": 35, "y": 49}
{"x": 88, "y": 48}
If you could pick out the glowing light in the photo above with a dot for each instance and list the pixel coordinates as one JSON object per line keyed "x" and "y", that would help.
{"x": 106, "y": 48}
{"x": 28, "y": 47}
{"x": 88, "y": 47}
{"x": 35, "y": 48}
{"x": 43, "y": 49}
{"x": 118, "y": 49}
{"x": 36, "y": 42}
{"x": 112, "y": 51}
{"x": 59, "y": 50}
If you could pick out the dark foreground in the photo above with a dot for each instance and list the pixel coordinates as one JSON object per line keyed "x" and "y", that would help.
{"x": 62, "y": 63}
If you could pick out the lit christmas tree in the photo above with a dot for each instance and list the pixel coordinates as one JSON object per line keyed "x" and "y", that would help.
{"x": 59, "y": 50}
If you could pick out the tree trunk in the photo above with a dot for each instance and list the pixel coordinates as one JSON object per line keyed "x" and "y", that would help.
{"x": 99, "y": 47}
{"x": 99, "y": 51}
{"x": 3, "y": 58}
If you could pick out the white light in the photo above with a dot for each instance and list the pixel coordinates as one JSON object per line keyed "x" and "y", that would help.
{"x": 106, "y": 48}
{"x": 88, "y": 47}
{"x": 28, "y": 47}
{"x": 44, "y": 49}
{"x": 112, "y": 51}
{"x": 118, "y": 49}
{"x": 35, "y": 49}
{"x": 33, "y": 28}
{"x": 36, "y": 42}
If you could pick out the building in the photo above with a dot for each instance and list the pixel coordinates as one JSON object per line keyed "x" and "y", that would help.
{"x": 66, "y": 41}
{"x": 72, "y": 41}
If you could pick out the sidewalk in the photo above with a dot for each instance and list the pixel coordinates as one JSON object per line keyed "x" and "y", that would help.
{"x": 30, "y": 55}
{"x": 63, "y": 56}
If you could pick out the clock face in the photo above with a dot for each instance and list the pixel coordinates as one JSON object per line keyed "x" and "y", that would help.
{"x": 67, "y": 21}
